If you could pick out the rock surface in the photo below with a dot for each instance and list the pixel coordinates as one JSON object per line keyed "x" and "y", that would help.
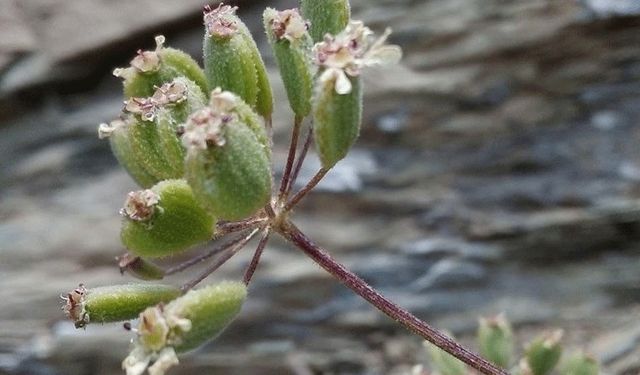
{"x": 497, "y": 170}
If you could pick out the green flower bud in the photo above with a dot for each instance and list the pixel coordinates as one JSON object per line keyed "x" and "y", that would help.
{"x": 326, "y": 16}
{"x": 114, "y": 303}
{"x": 291, "y": 43}
{"x": 495, "y": 340}
{"x": 145, "y": 142}
{"x": 182, "y": 325}
{"x": 543, "y": 353}
{"x": 445, "y": 363}
{"x": 139, "y": 267}
{"x": 118, "y": 133}
{"x": 337, "y": 106}
{"x": 164, "y": 220}
{"x": 232, "y": 60}
{"x": 227, "y": 165}
{"x": 337, "y": 121}
{"x": 150, "y": 69}
{"x": 580, "y": 364}
{"x": 172, "y": 115}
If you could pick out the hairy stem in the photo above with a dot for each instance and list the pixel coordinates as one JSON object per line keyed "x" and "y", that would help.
{"x": 299, "y": 161}
{"x": 308, "y": 187}
{"x": 224, "y": 228}
{"x": 251, "y": 269}
{"x": 204, "y": 256}
{"x": 227, "y": 253}
{"x": 293, "y": 147}
{"x": 360, "y": 287}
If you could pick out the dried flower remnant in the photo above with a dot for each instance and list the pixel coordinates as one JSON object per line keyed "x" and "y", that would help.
{"x": 350, "y": 51}
{"x": 204, "y": 129}
{"x": 289, "y": 24}
{"x": 219, "y": 21}
{"x": 74, "y": 306}
{"x": 144, "y": 62}
{"x": 140, "y": 205}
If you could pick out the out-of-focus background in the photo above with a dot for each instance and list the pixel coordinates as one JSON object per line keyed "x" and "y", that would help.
{"x": 498, "y": 170}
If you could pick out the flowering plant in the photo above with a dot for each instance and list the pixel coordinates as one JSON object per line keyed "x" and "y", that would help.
{"x": 198, "y": 142}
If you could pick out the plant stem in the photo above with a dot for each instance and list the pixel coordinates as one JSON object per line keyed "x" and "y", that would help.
{"x": 360, "y": 287}
{"x": 308, "y": 187}
{"x": 224, "y": 228}
{"x": 228, "y": 253}
{"x": 293, "y": 147}
{"x": 202, "y": 257}
{"x": 299, "y": 161}
{"x": 251, "y": 269}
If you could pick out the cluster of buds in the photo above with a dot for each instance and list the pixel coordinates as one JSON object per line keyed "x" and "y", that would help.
{"x": 196, "y": 141}
{"x": 496, "y": 343}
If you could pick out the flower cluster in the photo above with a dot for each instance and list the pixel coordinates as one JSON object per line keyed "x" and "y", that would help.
{"x": 347, "y": 53}
{"x": 169, "y": 93}
{"x": 159, "y": 330}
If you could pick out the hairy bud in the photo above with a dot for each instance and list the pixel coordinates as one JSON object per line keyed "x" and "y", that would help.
{"x": 150, "y": 69}
{"x": 579, "y": 364}
{"x": 326, "y": 16}
{"x": 291, "y": 44}
{"x": 495, "y": 339}
{"x": 182, "y": 325}
{"x": 544, "y": 352}
{"x": 164, "y": 220}
{"x": 113, "y": 303}
{"x": 227, "y": 163}
{"x": 444, "y": 362}
{"x": 232, "y": 60}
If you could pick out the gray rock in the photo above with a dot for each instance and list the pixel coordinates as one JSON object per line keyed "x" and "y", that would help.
{"x": 449, "y": 273}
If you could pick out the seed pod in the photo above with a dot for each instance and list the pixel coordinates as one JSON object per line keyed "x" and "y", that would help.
{"x": 182, "y": 325}
{"x": 580, "y": 364}
{"x": 495, "y": 340}
{"x": 151, "y": 69}
{"x": 114, "y": 303}
{"x": 445, "y": 363}
{"x": 543, "y": 353}
{"x": 164, "y": 220}
{"x": 326, "y": 16}
{"x": 232, "y": 60}
{"x": 337, "y": 119}
{"x": 139, "y": 267}
{"x": 291, "y": 44}
{"x": 118, "y": 133}
{"x": 172, "y": 114}
{"x": 226, "y": 165}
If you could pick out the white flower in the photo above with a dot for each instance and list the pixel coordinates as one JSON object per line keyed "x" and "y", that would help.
{"x": 153, "y": 350}
{"x": 344, "y": 55}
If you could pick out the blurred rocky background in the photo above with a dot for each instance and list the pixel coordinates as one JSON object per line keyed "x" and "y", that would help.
{"x": 498, "y": 170}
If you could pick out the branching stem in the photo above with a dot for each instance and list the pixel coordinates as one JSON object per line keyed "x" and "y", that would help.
{"x": 227, "y": 253}
{"x": 299, "y": 161}
{"x": 402, "y": 316}
{"x": 293, "y": 147}
{"x": 308, "y": 187}
{"x": 251, "y": 269}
